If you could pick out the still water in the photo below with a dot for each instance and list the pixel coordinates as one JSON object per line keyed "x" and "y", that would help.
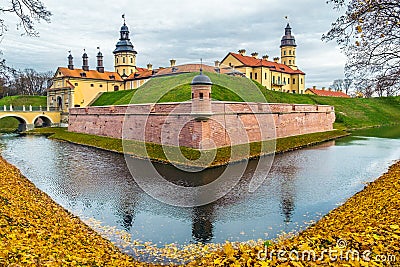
{"x": 302, "y": 186}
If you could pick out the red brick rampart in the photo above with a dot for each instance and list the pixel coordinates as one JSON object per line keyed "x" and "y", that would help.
{"x": 230, "y": 123}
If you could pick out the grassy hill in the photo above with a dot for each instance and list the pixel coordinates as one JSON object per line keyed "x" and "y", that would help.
{"x": 350, "y": 112}
{"x": 20, "y": 100}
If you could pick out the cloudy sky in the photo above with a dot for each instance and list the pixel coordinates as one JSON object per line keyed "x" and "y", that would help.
{"x": 183, "y": 30}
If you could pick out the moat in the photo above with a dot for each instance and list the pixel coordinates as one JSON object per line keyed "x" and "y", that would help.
{"x": 301, "y": 187}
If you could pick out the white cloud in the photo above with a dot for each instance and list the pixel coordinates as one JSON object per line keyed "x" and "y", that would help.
{"x": 184, "y": 30}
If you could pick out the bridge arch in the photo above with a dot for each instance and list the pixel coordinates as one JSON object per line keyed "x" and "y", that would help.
{"x": 23, "y": 123}
{"x": 42, "y": 121}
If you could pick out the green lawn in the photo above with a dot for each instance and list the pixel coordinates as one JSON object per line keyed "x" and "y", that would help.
{"x": 20, "y": 100}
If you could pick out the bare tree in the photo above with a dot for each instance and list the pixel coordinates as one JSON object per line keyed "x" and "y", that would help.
{"x": 30, "y": 82}
{"x": 28, "y": 12}
{"x": 369, "y": 34}
{"x": 337, "y": 85}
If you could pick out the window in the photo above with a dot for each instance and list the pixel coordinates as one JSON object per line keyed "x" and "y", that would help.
{"x": 91, "y": 85}
{"x": 284, "y": 80}
{"x": 265, "y": 75}
{"x": 132, "y": 60}
{"x": 301, "y": 91}
{"x": 192, "y": 95}
{"x": 301, "y": 80}
{"x": 288, "y": 80}
{"x": 255, "y": 76}
{"x": 123, "y": 72}
{"x": 284, "y": 62}
{"x": 201, "y": 96}
{"x": 251, "y": 75}
{"x": 76, "y": 84}
{"x": 294, "y": 91}
{"x": 116, "y": 88}
{"x": 279, "y": 80}
{"x": 123, "y": 60}
{"x": 290, "y": 52}
{"x": 230, "y": 64}
{"x": 294, "y": 81}
{"x": 131, "y": 71}
{"x": 293, "y": 53}
{"x": 284, "y": 52}
{"x": 290, "y": 61}
{"x": 273, "y": 79}
{"x": 101, "y": 85}
{"x": 116, "y": 60}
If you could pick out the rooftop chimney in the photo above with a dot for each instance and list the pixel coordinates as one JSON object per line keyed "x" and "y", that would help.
{"x": 149, "y": 66}
{"x": 323, "y": 88}
{"x": 314, "y": 87}
{"x": 242, "y": 52}
{"x": 276, "y": 59}
{"x": 217, "y": 63}
{"x": 85, "y": 60}
{"x": 100, "y": 67}
{"x": 255, "y": 54}
{"x": 265, "y": 57}
{"x": 173, "y": 62}
{"x": 70, "y": 61}
{"x": 330, "y": 89}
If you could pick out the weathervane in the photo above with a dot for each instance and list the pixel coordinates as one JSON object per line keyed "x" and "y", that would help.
{"x": 287, "y": 18}
{"x": 201, "y": 66}
{"x": 123, "y": 16}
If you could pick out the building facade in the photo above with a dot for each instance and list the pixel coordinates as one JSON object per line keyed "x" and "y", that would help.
{"x": 281, "y": 74}
{"x": 78, "y": 87}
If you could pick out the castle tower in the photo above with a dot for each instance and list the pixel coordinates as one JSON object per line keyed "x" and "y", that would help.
{"x": 201, "y": 97}
{"x": 288, "y": 48}
{"x": 124, "y": 54}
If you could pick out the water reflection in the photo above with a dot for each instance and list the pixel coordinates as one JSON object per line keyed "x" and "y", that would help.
{"x": 300, "y": 186}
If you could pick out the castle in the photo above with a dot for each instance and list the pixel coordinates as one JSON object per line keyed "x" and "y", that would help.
{"x": 79, "y": 87}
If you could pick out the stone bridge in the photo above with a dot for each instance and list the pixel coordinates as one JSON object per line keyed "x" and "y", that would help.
{"x": 32, "y": 116}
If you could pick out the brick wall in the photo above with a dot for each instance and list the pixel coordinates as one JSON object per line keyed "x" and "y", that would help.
{"x": 174, "y": 123}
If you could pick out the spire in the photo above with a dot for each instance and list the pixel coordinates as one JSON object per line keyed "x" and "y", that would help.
{"x": 124, "y": 44}
{"x": 288, "y": 39}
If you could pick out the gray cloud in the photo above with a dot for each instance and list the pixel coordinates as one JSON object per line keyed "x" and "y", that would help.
{"x": 184, "y": 30}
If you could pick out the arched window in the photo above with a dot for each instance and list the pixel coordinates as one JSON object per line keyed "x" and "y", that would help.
{"x": 123, "y": 60}
{"x": 201, "y": 96}
{"x": 131, "y": 60}
{"x": 116, "y": 60}
{"x": 290, "y": 62}
{"x": 290, "y": 52}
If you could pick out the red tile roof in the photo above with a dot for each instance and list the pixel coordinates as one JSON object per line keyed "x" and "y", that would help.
{"x": 250, "y": 61}
{"x": 141, "y": 73}
{"x": 187, "y": 68}
{"x": 91, "y": 74}
{"x": 327, "y": 93}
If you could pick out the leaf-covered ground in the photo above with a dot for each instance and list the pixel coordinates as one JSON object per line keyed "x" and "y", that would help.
{"x": 35, "y": 231}
{"x": 364, "y": 231}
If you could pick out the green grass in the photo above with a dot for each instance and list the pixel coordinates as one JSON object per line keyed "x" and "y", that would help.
{"x": 114, "y": 98}
{"x": 20, "y": 100}
{"x": 156, "y": 151}
{"x": 351, "y": 113}
{"x": 8, "y": 125}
